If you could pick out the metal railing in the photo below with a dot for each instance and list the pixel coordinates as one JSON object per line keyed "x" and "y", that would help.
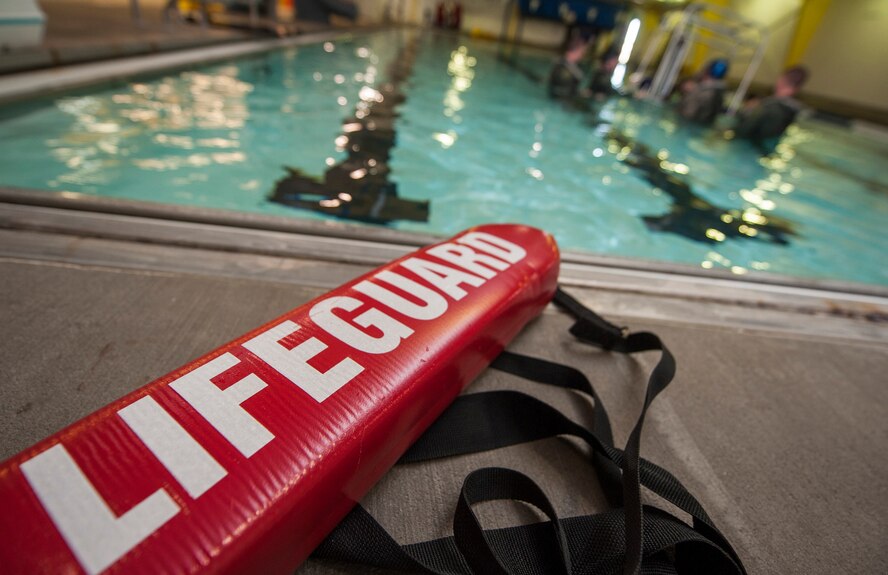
{"x": 734, "y": 36}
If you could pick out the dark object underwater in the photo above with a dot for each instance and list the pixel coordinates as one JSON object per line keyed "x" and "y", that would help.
{"x": 358, "y": 187}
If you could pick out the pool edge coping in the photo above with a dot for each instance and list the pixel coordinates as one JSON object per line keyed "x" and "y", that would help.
{"x": 578, "y": 268}
{"x": 19, "y": 86}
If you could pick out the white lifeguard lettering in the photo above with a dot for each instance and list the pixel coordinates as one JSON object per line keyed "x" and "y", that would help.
{"x": 434, "y": 303}
{"x": 293, "y": 363}
{"x": 392, "y": 330}
{"x": 493, "y": 245}
{"x": 442, "y": 277}
{"x": 468, "y": 259}
{"x": 222, "y": 408}
{"x": 175, "y": 448}
{"x": 87, "y": 524}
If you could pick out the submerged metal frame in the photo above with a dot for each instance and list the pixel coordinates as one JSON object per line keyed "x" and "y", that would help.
{"x": 735, "y": 35}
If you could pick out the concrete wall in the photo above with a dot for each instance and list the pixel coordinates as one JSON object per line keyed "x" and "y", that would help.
{"x": 779, "y": 16}
{"x": 21, "y": 24}
{"x": 373, "y": 11}
{"x": 486, "y": 18}
{"x": 847, "y": 54}
{"x": 481, "y": 18}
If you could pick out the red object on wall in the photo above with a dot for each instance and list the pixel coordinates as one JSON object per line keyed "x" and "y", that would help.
{"x": 448, "y": 15}
{"x": 244, "y": 460}
{"x": 456, "y": 16}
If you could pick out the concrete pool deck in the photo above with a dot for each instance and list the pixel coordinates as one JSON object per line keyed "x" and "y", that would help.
{"x": 775, "y": 419}
{"x": 80, "y": 31}
{"x": 83, "y": 31}
{"x": 38, "y": 82}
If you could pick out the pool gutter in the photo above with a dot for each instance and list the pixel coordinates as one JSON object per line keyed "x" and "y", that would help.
{"x": 67, "y": 228}
{"x": 575, "y": 265}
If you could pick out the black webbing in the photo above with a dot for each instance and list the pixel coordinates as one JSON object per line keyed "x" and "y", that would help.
{"x": 595, "y": 542}
{"x": 505, "y": 417}
{"x": 632, "y": 539}
{"x": 463, "y": 430}
{"x": 594, "y": 329}
{"x": 490, "y": 484}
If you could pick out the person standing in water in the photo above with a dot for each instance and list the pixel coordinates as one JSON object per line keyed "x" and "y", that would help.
{"x": 762, "y": 122}
{"x": 567, "y": 76}
{"x": 702, "y": 101}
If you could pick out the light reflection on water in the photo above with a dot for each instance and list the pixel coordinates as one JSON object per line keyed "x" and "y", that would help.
{"x": 106, "y": 130}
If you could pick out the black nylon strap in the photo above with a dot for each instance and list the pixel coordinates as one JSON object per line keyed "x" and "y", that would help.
{"x": 509, "y": 417}
{"x": 509, "y": 411}
{"x": 466, "y": 431}
{"x": 558, "y": 375}
{"x": 490, "y": 484}
{"x": 594, "y": 329}
{"x": 595, "y": 542}
{"x": 489, "y": 420}
{"x": 590, "y": 326}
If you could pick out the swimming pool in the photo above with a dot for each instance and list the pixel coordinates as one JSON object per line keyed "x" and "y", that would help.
{"x": 433, "y": 133}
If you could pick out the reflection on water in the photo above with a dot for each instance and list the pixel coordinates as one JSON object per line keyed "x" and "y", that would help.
{"x": 691, "y": 215}
{"x": 358, "y": 187}
{"x": 824, "y": 164}
{"x": 105, "y": 132}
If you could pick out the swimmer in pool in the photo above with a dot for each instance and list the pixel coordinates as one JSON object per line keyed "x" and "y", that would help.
{"x": 566, "y": 76}
{"x": 762, "y": 122}
{"x": 702, "y": 101}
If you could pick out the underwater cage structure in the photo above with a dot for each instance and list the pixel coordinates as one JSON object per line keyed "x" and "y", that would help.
{"x": 722, "y": 30}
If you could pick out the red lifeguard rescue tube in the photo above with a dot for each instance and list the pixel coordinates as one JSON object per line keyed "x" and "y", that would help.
{"x": 244, "y": 460}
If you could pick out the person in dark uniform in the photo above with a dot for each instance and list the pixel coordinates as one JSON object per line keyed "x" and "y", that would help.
{"x": 566, "y": 76}
{"x": 762, "y": 122}
{"x": 600, "y": 86}
{"x": 702, "y": 101}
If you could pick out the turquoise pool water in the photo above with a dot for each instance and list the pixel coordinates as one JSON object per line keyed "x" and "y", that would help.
{"x": 475, "y": 138}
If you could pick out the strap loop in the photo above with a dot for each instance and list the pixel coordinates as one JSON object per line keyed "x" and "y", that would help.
{"x": 490, "y": 484}
{"x": 589, "y": 326}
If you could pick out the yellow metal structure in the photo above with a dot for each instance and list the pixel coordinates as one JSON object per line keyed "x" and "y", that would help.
{"x": 701, "y": 52}
{"x": 810, "y": 16}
